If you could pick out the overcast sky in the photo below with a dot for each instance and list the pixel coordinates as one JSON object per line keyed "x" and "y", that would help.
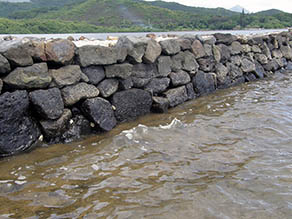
{"x": 250, "y": 5}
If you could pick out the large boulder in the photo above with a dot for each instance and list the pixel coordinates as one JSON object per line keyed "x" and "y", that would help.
{"x": 100, "y": 111}
{"x": 157, "y": 85}
{"x": 48, "y": 103}
{"x": 164, "y": 64}
{"x": 204, "y": 83}
{"x": 130, "y": 104}
{"x": 60, "y": 51}
{"x": 170, "y": 46}
{"x": 95, "y": 74}
{"x": 32, "y": 77}
{"x": 198, "y": 49}
{"x": 97, "y": 55}
{"x": 179, "y": 78}
{"x": 17, "y": 130}
{"x": 176, "y": 96}
{"x": 17, "y": 52}
{"x": 227, "y": 39}
{"x": 4, "y": 65}
{"x": 73, "y": 94}
{"x": 153, "y": 50}
{"x": 119, "y": 70}
{"x": 108, "y": 87}
{"x": 247, "y": 65}
{"x": 53, "y": 129}
{"x": 67, "y": 75}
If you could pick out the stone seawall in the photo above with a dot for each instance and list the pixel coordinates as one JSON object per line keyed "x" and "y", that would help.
{"x": 58, "y": 90}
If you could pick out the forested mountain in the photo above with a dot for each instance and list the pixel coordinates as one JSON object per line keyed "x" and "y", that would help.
{"x": 43, "y": 16}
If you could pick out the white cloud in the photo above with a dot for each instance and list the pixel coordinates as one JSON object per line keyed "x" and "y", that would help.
{"x": 251, "y": 5}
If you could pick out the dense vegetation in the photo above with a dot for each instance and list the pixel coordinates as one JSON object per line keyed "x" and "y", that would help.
{"x": 71, "y": 16}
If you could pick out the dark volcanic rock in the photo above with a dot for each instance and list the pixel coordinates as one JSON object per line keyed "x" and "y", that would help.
{"x": 249, "y": 77}
{"x": 53, "y": 129}
{"x": 176, "y": 96}
{"x": 259, "y": 71}
{"x": 60, "y": 51}
{"x": 153, "y": 50}
{"x": 271, "y": 66}
{"x": 186, "y": 61}
{"x": 67, "y": 75}
{"x": 100, "y": 112}
{"x": 225, "y": 52}
{"x": 190, "y": 91}
{"x": 140, "y": 82}
{"x": 198, "y": 49}
{"x": 144, "y": 70}
{"x": 17, "y": 130}
{"x": 131, "y": 103}
{"x": 95, "y": 74}
{"x": 164, "y": 64}
{"x": 204, "y": 82}
{"x": 126, "y": 84}
{"x": 119, "y": 70}
{"x": 247, "y": 65}
{"x": 72, "y": 94}
{"x": 179, "y": 78}
{"x": 4, "y": 65}
{"x": 157, "y": 85}
{"x": 225, "y": 38}
{"x": 207, "y": 64}
{"x": 36, "y": 76}
{"x": 107, "y": 87}
{"x": 48, "y": 103}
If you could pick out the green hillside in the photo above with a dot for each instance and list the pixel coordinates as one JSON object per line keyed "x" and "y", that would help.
{"x": 40, "y": 16}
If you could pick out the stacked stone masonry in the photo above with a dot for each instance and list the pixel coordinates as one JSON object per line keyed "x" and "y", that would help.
{"x": 57, "y": 92}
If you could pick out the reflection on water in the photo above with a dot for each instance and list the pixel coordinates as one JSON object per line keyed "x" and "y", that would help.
{"x": 227, "y": 155}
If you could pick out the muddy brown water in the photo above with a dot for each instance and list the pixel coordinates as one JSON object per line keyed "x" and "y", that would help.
{"x": 226, "y": 155}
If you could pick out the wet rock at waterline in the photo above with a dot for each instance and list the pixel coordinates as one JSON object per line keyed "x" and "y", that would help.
{"x": 204, "y": 82}
{"x": 18, "y": 130}
{"x": 131, "y": 103}
{"x": 100, "y": 111}
{"x": 176, "y": 96}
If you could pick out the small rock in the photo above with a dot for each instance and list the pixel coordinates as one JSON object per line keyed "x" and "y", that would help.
{"x": 190, "y": 91}
{"x": 227, "y": 39}
{"x": 198, "y": 49}
{"x": 176, "y": 96}
{"x": 207, "y": 64}
{"x": 144, "y": 70}
{"x": 119, "y": 70}
{"x": 216, "y": 53}
{"x": 95, "y": 74}
{"x": 259, "y": 71}
{"x": 261, "y": 58}
{"x": 153, "y": 51}
{"x": 164, "y": 64}
{"x": 236, "y": 48}
{"x": 32, "y": 77}
{"x": 276, "y": 54}
{"x": 179, "y": 78}
{"x": 157, "y": 85}
{"x": 48, "y": 103}
{"x": 67, "y": 75}
{"x": 225, "y": 53}
{"x": 247, "y": 65}
{"x": 271, "y": 66}
{"x": 287, "y": 52}
{"x": 140, "y": 82}
{"x": 170, "y": 46}
{"x": 256, "y": 49}
{"x": 100, "y": 112}
{"x": 131, "y": 103}
{"x": 126, "y": 84}
{"x": 73, "y": 94}
{"x": 185, "y": 44}
{"x": 221, "y": 72}
{"x": 108, "y": 87}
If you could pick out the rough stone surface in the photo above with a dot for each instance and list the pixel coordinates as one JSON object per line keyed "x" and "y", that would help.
{"x": 100, "y": 112}
{"x": 140, "y": 82}
{"x": 1, "y": 85}
{"x": 4, "y": 65}
{"x": 266, "y": 51}
{"x": 176, "y": 96}
{"x": 204, "y": 83}
{"x": 157, "y": 85}
{"x": 48, "y": 103}
{"x": 153, "y": 50}
{"x": 60, "y": 51}
{"x": 185, "y": 44}
{"x": 221, "y": 72}
{"x": 207, "y": 39}
{"x": 190, "y": 91}
{"x": 256, "y": 49}
{"x": 95, "y": 74}
{"x": 225, "y": 53}
{"x": 126, "y": 84}
{"x": 97, "y": 55}
{"x": 235, "y": 60}
{"x": 271, "y": 66}
{"x": 261, "y": 58}
{"x": 119, "y": 70}
{"x": 276, "y": 54}
{"x": 234, "y": 71}
{"x": 73, "y": 94}
{"x": 16, "y": 52}
{"x": 186, "y": 61}
{"x": 225, "y": 38}
{"x": 236, "y": 48}
{"x": 160, "y": 104}
{"x": 35, "y": 76}
{"x": 247, "y": 65}
{"x": 130, "y": 104}
{"x": 107, "y": 87}
{"x": 207, "y": 64}
{"x": 53, "y": 129}
{"x": 67, "y": 75}
{"x": 259, "y": 71}
{"x": 249, "y": 77}
{"x": 216, "y": 53}
{"x": 164, "y": 64}
{"x": 179, "y": 78}
{"x": 246, "y": 48}
{"x": 208, "y": 49}
{"x": 287, "y": 52}
{"x": 144, "y": 70}
{"x": 170, "y": 47}
{"x": 37, "y": 50}
{"x": 17, "y": 130}
{"x": 198, "y": 49}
